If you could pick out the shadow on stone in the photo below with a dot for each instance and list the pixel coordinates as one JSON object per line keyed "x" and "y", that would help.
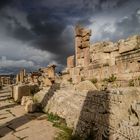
{"x": 49, "y": 94}
{"x": 93, "y": 123}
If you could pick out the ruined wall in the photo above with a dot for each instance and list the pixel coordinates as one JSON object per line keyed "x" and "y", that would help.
{"x": 5, "y": 80}
{"x": 102, "y": 59}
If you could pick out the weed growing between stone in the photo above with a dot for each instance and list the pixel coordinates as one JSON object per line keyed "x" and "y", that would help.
{"x": 65, "y": 132}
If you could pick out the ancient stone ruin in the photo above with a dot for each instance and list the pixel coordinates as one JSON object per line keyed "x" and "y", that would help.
{"x": 98, "y": 93}
{"x": 6, "y": 80}
{"x": 101, "y": 60}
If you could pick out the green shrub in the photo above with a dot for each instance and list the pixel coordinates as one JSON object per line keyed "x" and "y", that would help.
{"x": 65, "y": 132}
{"x": 94, "y": 80}
{"x": 111, "y": 79}
{"x": 106, "y": 64}
{"x": 70, "y": 80}
{"x": 82, "y": 79}
{"x": 52, "y": 117}
{"x": 131, "y": 83}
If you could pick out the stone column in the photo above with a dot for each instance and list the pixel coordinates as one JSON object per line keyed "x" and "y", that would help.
{"x": 51, "y": 71}
{"x": 82, "y": 45}
{"x": 70, "y": 61}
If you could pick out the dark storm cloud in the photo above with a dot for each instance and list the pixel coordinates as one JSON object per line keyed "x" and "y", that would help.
{"x": 15, "y": 29}
{"x": 4, "y": 3}
{"x": 49, "y": 30}
{"x": 51, "y": 22}
{"x": 127, "y": 26}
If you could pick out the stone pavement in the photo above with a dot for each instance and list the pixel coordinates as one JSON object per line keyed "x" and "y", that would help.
{"x": 15, "y": 124}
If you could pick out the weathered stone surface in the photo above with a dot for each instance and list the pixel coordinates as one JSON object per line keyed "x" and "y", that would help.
{"x": 19, "y": 91}
{"x": 130, "y": 44}
{"x": 82, "y": 42}
{"x": 25, "y": 99}
{"x": 70, "y": 62}
{"x": 15, "y": 124}
{"x": 47, "y": 82}
{"x": 110, "y": 48}
{"x": 106, "y": 109}
{"x": 30, "y": 106}
{"x": 85, "y": 85}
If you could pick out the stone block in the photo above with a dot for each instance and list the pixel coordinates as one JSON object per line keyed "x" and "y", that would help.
{"x": 70, "y": 62}
{"x": 25, "y": 99}
{"x": 76, "y": 79}
{"x": 85, "y": 85}
{"x": 19, "y": 91}
{"x": 129, "y": 44}
{"x": 86, "y": 38}
{"x": 78, "y": 31}
{"x": 85, "y": 44}
{"x": 110, "y": 48}
{"x": 47, "y": 81}
{"x": 30, "y": 106}
{"x": 86, "y": 32}
{"x": 78, "y": 42}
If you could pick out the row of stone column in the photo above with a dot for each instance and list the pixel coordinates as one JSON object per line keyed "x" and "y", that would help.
{"x": 5, "y": 80}
{"x": 20, "y": 76}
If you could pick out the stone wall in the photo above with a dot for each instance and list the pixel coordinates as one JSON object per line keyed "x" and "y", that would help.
{"x": 102, "y": 59}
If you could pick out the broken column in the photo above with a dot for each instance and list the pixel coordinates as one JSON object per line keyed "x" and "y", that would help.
{"x": 20, "y": 76}
{"x": 70, "y": 61}
{"x": 82, "y": 45}
{"x": 48, "y": 75}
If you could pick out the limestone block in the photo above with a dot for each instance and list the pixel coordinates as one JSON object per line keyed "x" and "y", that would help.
{"x": 86, "y": 61}
{"x": 100, "y": 46}
{"x": 25, "y": 99}
{"x": 51, "y": 71}
{"x": 85, "y": 85}
{"x": 66, "y": 76}
{"x": 113, "y": 55}
{"x": 86, "y": 32}
{"x": 30, "y": 106}
{"x": 129, "y": 44}
{"x": 19, "y": 91}
{"x": 80, "y": 62}
{"x": 70, "y": 62}
{"x": 78, "y": 31}
{"x": 110, "y": 48}
{"x": 133, "y": 66}
{"x": 76, "y": 79}
{"x": 85, "y": 44}
{"x": 78, "y": 42}
{"x": 47, "y": 81}
{"x": 86, "y": 38}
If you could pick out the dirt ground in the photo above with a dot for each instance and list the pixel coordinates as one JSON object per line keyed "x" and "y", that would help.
{"x": 15, "y": 124}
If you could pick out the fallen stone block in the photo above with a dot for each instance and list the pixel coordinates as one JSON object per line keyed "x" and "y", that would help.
{"x": 31, "y": 107}
{"x": 19, "y": 91}
{"x": 25, "y": 99}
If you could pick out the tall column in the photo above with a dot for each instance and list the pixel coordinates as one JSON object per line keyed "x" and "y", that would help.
{"x": 82, "y": 45}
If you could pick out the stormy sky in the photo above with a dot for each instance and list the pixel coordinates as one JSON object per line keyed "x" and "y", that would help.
{"x": 35, "y": 33}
